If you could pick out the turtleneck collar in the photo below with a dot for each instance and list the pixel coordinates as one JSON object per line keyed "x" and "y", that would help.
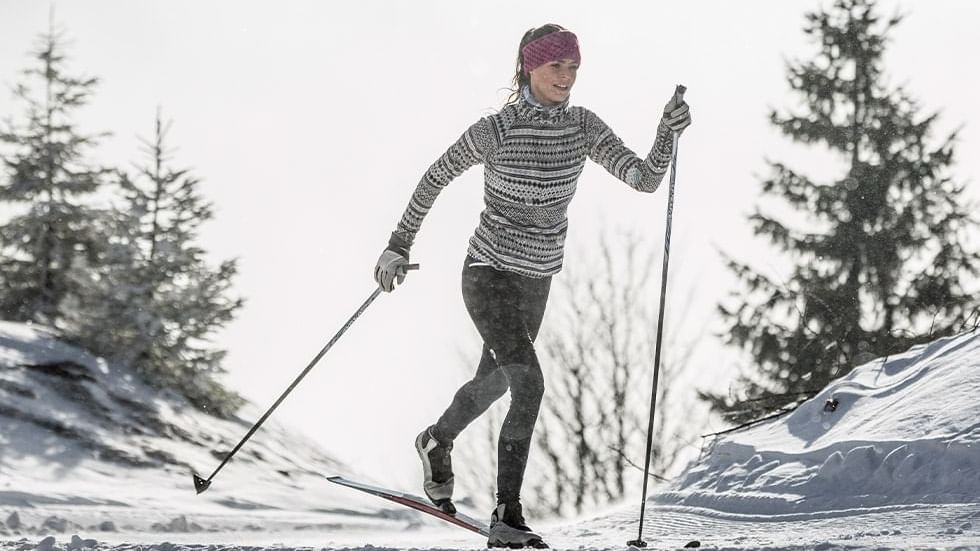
{"x": 533, "y": 109}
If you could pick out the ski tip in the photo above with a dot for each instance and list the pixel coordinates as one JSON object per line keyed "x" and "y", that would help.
{"x": 693, "y": 544}
{"x": 200, "y": 484}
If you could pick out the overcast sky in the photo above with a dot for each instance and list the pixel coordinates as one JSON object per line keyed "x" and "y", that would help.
{"x": 310, "y": 123}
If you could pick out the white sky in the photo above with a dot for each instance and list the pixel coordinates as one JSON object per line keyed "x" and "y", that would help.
{"x": 311, "y": 122}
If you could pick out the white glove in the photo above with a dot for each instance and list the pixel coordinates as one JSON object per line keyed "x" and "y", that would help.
{"x": 390, "y": 266}
{"x": 677, "y": 115}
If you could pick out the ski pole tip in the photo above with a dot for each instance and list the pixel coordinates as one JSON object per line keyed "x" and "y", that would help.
{"x": 636, "y": 544}
{"x": 200, "y": 484}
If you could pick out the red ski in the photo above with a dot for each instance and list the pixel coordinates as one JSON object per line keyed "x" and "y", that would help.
{"x": 417, "y": 503}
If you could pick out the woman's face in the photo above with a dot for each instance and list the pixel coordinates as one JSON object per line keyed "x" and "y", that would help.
{"x": 552, "y": 82}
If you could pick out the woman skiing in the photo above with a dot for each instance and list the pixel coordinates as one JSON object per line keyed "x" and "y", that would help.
{"x": 533, "y": 151}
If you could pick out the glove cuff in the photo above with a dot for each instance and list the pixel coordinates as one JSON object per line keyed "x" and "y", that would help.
{"x": 399, "y": 244}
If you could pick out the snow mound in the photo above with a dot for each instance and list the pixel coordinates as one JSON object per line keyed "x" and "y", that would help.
{"x": 896, "y": 431}
{"x": 86, "y": 444}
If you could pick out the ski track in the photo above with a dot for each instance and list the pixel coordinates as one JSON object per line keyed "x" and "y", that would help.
{"x": 911, "y": 527}
{"x": 946, "y": 526}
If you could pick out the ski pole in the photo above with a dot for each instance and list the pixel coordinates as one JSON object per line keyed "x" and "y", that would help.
{"x": 638, "y": 542}
{"x": 201, "y": 484}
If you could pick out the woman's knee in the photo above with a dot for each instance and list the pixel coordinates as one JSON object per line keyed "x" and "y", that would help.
{"x": 526, "y": 382}
{"x": 487, "y": 389}
{"x": 516, "y": 350}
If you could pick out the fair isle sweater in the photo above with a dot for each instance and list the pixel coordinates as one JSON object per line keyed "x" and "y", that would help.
{"x": 532, "y": 157}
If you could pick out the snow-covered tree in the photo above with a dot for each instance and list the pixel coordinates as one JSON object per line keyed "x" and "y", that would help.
{"x": 154, "y": 287}
{"x": 879, "y": 261}
{"x": 48, "y": 186}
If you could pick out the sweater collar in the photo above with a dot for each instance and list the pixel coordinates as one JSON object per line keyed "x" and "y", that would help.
{"x": 532, "y": 109}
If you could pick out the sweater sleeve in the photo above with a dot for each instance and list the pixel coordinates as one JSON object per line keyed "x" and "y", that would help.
{"x": 609, "y": 151}
{"x": 472, "y": 148}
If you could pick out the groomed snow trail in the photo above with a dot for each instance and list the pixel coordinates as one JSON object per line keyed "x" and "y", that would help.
{"x": 941, "y": 526}
{"x": 902, "y": 527}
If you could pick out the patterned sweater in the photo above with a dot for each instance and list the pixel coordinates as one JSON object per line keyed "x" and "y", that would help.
{"x": 532, "y": 156}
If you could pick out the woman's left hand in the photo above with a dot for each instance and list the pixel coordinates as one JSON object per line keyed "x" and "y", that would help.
{"x": 677, "y": 115}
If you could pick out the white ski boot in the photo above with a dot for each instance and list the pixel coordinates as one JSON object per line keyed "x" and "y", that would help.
{"x": 437, "y": 470}
{"x": 508, "y": 529}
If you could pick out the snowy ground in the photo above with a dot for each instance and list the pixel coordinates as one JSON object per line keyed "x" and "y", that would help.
{"x": 896, "y": 465}
{"x": 946, "y": 526}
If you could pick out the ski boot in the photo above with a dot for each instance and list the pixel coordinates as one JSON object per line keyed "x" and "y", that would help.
{"x": 437, "y": 470}
{"x": 508, "y": 529}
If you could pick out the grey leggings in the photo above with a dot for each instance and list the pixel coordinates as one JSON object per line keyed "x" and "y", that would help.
{"x": 507, "y": 309}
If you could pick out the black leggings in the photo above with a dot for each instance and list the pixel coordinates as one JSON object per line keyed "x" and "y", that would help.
{"x": 507, "y": 309}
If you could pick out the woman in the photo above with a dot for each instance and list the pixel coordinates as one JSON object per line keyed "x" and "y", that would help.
{"x": 533, "y": 151}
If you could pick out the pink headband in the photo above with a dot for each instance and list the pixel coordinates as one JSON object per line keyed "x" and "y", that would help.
{"x": 550, "y": 47}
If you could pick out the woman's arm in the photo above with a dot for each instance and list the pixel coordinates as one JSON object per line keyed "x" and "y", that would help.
{"x": 608, "y": 150}
{"x": 473, "y": 147}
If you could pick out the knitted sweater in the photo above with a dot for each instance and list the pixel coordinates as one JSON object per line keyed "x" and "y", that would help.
{"x": 532, "y": 156}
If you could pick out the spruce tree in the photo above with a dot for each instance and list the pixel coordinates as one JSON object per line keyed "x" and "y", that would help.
{"x": 879, "y": 261}
{"x": 49, "y": 185}
{"x": 154, "y": 287}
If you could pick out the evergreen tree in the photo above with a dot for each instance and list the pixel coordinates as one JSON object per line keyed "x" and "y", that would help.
{"x": 883, "y": 264}
{"x": 47, "y": 173}
{"x": 155, "y": 289}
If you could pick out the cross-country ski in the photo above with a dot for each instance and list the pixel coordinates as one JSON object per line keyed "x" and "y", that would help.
{"x": 417, "y": 503}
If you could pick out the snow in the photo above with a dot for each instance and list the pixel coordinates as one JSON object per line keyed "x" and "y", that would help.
{"x": 906, "y": 430}
{"x": 91, "y": 458}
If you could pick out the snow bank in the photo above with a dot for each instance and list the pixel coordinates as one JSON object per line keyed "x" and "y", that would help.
{"x": 85, "y": 445}
{"x": 906, "y": 430}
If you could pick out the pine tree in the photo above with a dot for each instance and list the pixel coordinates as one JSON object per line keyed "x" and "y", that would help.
{"x": 882, "y": 265}
{"x": 155, "y": 289}
{"x": 47, "y": 172}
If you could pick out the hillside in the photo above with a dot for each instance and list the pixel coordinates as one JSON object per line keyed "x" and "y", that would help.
{"x": 84, "y": 444}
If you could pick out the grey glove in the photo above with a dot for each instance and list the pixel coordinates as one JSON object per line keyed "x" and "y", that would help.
{"x": 391, "y": 266}
{"x": 677, "y": 115}
{"x": 393, "y": 263}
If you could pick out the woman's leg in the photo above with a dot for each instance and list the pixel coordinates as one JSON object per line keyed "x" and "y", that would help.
{"x": 526, "y": 381}
{"x": 479, "y": 283}
{"x": 472, "y": 399}
{"x": 507, "y": 310}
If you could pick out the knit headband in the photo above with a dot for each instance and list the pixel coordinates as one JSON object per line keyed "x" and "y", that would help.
{"x": 550, "y": 47}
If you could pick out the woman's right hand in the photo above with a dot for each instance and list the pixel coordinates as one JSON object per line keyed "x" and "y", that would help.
{"x": 391, "y": 266}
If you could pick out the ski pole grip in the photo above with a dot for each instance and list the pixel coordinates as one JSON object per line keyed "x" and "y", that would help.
{"x": 679, "y": 93}
{"x": 408, "y": 267}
